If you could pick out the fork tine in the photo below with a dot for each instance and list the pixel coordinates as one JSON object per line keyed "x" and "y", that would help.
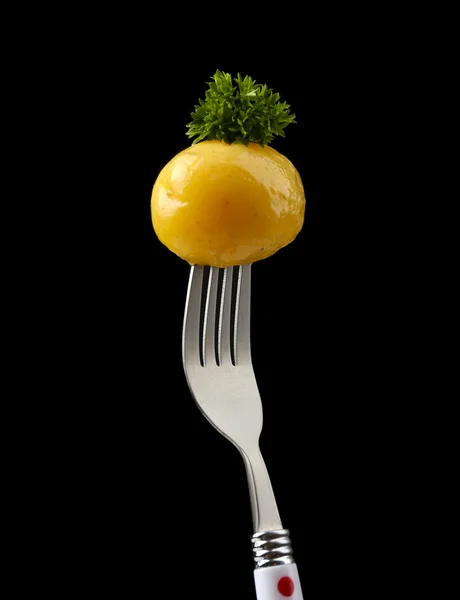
{"x": 242, "y": 334}
{"x": 209, "y": 326}
{"x": 191, "y": 328}
{"x": 224, "y": 336}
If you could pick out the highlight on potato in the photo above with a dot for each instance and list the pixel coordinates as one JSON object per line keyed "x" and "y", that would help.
{"x": 230, "y": 198}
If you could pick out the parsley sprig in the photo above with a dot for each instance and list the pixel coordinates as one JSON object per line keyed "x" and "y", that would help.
{"x": 239, "y": 111}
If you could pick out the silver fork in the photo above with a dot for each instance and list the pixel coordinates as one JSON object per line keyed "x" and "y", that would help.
{"x": 216, "y": 353}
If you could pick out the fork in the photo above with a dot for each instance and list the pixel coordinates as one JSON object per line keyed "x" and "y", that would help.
{"x": 216, "y": 354}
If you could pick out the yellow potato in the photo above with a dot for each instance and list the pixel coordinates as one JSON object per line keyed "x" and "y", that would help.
{"x": 224, "y": 204}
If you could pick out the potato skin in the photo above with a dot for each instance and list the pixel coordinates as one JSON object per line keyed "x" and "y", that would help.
{"x": 224, "y": 204}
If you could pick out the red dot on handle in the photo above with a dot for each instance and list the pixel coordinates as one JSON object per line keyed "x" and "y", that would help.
{"x": 286, "y": 586}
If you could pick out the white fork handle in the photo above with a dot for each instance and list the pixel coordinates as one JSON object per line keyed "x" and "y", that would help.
{"x": 278, "y": 583}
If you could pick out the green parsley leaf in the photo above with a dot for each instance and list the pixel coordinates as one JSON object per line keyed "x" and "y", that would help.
{"x": 239, "y": 114}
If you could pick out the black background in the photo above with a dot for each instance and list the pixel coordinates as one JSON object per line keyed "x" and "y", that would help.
{"x": 152, "y": 494}
{"x": 122, "y": 486}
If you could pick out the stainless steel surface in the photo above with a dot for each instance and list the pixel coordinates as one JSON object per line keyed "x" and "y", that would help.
{"x": 216, "y": 352}
{"x": 272, "y": 548}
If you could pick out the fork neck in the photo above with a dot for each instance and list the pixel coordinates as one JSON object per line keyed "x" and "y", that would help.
{"x": 265, "y": 513}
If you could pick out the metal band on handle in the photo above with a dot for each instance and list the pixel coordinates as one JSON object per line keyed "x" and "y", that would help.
{"x": 272, "y": 548}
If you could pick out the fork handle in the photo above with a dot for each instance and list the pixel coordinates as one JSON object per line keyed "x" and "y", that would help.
{"x": 275, "y": 575}
{"x": 278, "y": 583}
